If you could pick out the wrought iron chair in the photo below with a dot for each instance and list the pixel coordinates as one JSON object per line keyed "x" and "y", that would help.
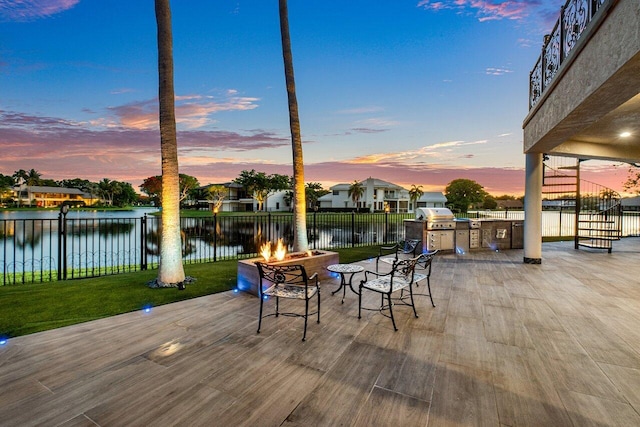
{"x": 287, "y": 281}
{"x": 423, "y": 272}
{"x": 407, "y": 247}
{"x": 401, "y": 277}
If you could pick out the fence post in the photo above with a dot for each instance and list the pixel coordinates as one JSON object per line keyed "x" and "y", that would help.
{"x": 60, "y": 254}
{"x": 143, "y": 242}
{"x": 386, "y": 226}
{"x": 315, "y": 234}
{"x": 269, "y": 227}
{"x": 560, "y": 222}
{"x": 353, "y": 229}
{"x": 215, "y": 236}
{"x": 62, "y": 242}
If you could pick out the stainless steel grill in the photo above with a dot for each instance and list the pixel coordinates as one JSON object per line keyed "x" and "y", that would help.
{"x": 438, "y": 228}
{"x": 437, "y": 218}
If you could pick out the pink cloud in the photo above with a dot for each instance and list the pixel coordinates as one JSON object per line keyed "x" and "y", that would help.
{"x": 61, "y": 149}
{"x": 192, "y": 111}
{"x": 30, "y": 10}
{"x": 486, "y": 10}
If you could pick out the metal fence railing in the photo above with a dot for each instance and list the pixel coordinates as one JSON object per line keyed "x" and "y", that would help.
{"x": 575, "y": 17}
{"x": 43, "y": 250}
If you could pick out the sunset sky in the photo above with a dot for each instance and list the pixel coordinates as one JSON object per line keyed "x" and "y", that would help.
{"x": 410, "y": 91}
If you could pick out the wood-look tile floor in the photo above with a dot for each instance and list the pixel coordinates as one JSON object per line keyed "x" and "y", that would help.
{"x": 507, "y": 344}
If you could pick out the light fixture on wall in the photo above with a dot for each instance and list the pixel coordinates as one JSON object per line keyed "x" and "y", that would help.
{"x": 625, "y": 134}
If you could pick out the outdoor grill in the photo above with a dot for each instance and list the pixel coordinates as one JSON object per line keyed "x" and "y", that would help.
{"x": 437, "y": 228}
{"x": 436, "y": 218}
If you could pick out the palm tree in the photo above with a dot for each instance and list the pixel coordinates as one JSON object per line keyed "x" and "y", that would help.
{"x": 33, "y": 177}
{"x": 414, "y": 194}
{"x": 20, "y": 178}
{"x": 356, "y": 191}
{"x": 171, "y": 270}
{"x": 104, "y": 190}
{"x": 300, "y": 242}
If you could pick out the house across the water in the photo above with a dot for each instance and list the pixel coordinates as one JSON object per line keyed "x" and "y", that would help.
{"x": 51, "y": 197}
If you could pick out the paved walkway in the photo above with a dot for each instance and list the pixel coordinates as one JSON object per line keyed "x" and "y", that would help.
{"x": 508, "y": 344}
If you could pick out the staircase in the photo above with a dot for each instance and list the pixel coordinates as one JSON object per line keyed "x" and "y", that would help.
{"x": 598, "y": 212}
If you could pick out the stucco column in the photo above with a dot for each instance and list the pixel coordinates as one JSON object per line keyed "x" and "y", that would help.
{"x": 533, "y": 209}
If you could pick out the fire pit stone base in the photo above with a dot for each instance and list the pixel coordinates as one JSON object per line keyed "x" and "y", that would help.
{"x": 248, "y": 277}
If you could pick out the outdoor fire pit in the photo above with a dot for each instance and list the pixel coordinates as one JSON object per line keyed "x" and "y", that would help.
{"x": 315, "y": 261}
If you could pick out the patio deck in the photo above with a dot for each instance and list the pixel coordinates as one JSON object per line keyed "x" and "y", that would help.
{"x": 508, "y": 344}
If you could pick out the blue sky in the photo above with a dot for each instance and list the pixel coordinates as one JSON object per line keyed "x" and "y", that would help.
{"x": 410, "y": 91}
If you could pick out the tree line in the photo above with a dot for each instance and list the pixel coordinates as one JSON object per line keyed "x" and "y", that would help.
{"x": 461, "y": 194}
{"x": 110, "y": 192}
{"x": 256, "y": 185}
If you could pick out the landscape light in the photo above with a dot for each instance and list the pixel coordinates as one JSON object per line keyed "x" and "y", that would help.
{"x": 3, "y": 341}
{"x": 146, "y": 309}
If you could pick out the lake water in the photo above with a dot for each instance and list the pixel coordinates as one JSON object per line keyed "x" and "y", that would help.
{"x": 76, "y": 214}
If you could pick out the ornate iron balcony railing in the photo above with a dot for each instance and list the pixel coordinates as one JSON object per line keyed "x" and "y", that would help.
{"x": 575, "y": 17}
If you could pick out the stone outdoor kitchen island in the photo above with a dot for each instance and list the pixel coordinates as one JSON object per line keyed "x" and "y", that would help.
{"x": 313, "y": 261}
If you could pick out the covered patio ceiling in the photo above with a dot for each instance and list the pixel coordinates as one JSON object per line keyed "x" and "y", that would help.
{"x": 616, "y": 136}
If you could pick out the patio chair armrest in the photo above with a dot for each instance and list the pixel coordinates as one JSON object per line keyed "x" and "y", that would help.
{"x": 375, "y": 273}
{"x": 424, "y": 259}
{"x": 315, "y": 277}
{"x": 388, "y": 249}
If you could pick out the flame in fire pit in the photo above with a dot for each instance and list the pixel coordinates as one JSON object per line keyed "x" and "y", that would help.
{"x": 265, "y": 251}
{"x": 279, "y": 254}
{"x": 281, "y": 251}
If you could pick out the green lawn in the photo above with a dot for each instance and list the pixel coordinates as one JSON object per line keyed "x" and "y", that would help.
{"x": 25, "y": 309}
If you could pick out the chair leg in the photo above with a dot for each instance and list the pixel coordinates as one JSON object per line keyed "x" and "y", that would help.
{"x": 318, "y": 295}
{"x": 413, "y": 304}
{"x": 391, "y": 312}
{"x": 260, "y": 318}
{"x": 429, "y": 288}
{"x": 277, "y": 306}
{"x": 306, "y": 316}
{"x": 359, "y": 301}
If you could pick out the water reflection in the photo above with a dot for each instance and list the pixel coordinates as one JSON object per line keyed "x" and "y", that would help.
{"x": 102, "y": 227}
{"x": 154, "y": 237}
{"x": 94, "y": 244}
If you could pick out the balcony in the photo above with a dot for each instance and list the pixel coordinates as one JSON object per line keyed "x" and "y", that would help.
{"x": 576, "y": 17}
{"x": 585, "y": 87}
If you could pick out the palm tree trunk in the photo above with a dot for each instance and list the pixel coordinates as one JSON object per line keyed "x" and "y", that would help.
{"x": 300, "y": 242}
{"x": 171, "y": 270}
